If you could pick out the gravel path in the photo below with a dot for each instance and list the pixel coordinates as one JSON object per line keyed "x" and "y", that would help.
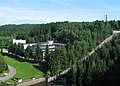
{"x": 12, "y": 72}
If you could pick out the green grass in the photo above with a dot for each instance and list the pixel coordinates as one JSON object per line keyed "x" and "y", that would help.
{"x": 2, "y": 74}
{"x": 25, "y": 70}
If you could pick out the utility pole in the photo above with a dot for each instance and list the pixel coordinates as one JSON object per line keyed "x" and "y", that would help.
{"x": 105, "y": 18}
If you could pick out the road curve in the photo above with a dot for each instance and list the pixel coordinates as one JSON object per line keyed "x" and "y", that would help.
{"x": 12, "y": 72}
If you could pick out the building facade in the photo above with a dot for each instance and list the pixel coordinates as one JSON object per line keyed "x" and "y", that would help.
{"x": 19, "y": 41}
{"x": 51, "y": 45}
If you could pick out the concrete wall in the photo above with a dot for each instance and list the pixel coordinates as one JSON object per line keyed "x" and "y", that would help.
{"x": 31, "y": 82}
{"x": 35, "y": 81}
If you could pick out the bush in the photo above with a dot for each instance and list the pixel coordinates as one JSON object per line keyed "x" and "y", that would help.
{"x": 3, "y": 65}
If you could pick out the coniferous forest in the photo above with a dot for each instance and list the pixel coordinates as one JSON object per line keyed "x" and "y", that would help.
{"x": 80, "y": 38}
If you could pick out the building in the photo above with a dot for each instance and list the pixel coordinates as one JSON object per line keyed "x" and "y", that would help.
{"x": 20, "y": 41}
{"x": 51, "y": 46}
{"x": 115, "y": 31}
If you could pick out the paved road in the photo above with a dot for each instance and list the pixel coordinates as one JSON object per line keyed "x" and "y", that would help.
{"x": 12, "y": 72}
{"x": 99, "y": 46}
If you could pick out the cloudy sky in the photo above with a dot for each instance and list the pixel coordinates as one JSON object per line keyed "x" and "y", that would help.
{"x": 44, "y": 11}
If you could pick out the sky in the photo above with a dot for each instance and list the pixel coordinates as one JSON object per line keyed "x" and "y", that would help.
{"x": 45, "y": 11}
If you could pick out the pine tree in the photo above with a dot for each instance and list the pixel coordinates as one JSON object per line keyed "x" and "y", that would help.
{"x": 47, "y": 58}
{"x": 38, "y": 53}
{"x": 28, "y": 52}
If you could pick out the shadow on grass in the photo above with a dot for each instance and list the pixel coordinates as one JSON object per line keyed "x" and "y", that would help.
{"x": 41, "y": 66}
{"x": 19, "y": 59}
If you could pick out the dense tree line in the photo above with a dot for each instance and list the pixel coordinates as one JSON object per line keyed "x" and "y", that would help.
{"x": 88, "y": 72}
{"x": 8, "y": 32}
{"x": 115, "y": 24}
{"x": 59, "y": 31}
{"x": 65, "y": 32}
{"x": 3, "y": 65}
{"x": 57, "y": 61}
{"x": 80, "y": 38}
{"x": 112, "y": 76}
{"x": 27, "y": 53}
{"x": 14, "y": 30}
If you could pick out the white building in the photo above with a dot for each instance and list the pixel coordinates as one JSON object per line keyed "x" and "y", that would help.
{"x": 20, "y": 41}
{"x": 115, "y": 31}
{"x": 26, "y": 45}
{"x": 51, "y": 46}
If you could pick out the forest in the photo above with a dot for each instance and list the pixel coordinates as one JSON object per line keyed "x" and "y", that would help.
{"x": 3, "y": 65}
{"x": 8, "y": 32}
{"x": 79, "y": 37}
{"x": 101, "y": 69}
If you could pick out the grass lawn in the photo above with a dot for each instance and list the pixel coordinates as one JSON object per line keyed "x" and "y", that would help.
{"x": 25, "y": 70}
{"x": 2, "y": 74}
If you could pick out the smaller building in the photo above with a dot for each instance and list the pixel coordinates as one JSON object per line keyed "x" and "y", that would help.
{"x": 19, "y": 41}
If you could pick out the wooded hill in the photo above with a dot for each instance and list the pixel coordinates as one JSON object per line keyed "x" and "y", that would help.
{"x": 79, "y": 37}
{"x": 101, "y": 69}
